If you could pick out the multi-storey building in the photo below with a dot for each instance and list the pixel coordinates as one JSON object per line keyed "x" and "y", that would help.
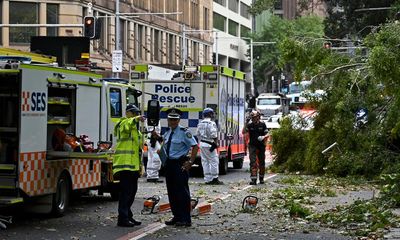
{"x": 290, "y": 9}
{"x": 232, "y": 23}
{"x": 145, "y": 38}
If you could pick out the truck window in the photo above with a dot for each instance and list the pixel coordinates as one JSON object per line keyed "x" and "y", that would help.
{"x": 269, "y": 101}
{"x": 115, "y": 103}
{"x": 131, "y": 97}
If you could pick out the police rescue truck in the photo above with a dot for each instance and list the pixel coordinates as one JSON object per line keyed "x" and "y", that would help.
{"x": 219, "y": 88}
{"x": 47, "y": 114}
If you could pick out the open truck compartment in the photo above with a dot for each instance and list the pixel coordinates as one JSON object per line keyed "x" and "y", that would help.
{"x": 9, "y": 132}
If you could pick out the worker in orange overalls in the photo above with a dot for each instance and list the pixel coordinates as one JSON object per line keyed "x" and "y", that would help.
{"x": 257, "y": 131}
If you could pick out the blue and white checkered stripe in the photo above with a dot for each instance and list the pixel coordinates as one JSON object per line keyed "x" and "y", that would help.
{"x": 188, "y": 119}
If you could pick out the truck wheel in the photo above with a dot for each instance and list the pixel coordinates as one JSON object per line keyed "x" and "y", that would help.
{"x": 238, "y": 164}
{"x": 223, "y": 166}
{"x": 61, "y": 196}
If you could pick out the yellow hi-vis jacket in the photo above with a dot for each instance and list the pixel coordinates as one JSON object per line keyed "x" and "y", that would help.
{"x": 129, "y": 141}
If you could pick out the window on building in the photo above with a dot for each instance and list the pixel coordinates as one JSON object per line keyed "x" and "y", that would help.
{"x": 141, "y": 4}
{"x": 221, "y": 2}
{"x": 195, "y": 53}
{"x": 139, "y": 39}
{"x": 52, "y": 13}
{"x": 233, "y": 5}
{"x": 157, "y": 5}
{"x": 206, "y": 55}
{"x": 184, "y": 8}
{"x": 206, "y": 18}
{"x": 278, "y": 5}
{"x": 171, "y": 47}
{"x": 233, "y": 28}
{"x": 156, "y": 45}
{"x": 23, "y": 12}
{"x": 244, "y": 31}
{"x": 171, "y": 6}
{"x": 244, "y": 10}
{"x": 194, "y": 9}
{"x": 103, "y": 37}
{"x": 219, "y": 22}
{"x": 122, "y": 34}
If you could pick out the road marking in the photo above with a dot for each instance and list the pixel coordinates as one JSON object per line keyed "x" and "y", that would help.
{"x": 140, "y": 233}
{"x": 154, "y": 227}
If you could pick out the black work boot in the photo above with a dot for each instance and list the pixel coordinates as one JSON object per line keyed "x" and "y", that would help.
{"x": 262, "y": 181}
{"x": 253, "y": 182}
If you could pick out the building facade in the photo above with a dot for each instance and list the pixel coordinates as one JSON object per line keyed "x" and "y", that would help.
{"x": 144, "y": 38}
{"x": 232, "y": 25}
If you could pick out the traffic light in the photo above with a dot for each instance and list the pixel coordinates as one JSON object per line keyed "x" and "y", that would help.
{"x": 90, "y": 27}
{"x": 327, "y": 45}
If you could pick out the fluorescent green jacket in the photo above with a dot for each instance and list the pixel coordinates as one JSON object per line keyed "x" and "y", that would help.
{"x": 129, "y": 141}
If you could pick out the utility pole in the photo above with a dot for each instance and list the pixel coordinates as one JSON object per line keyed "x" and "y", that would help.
{"x": 252, "y": 44}
{"x": 216, "y": 48}
{"x": 117, "y": 31}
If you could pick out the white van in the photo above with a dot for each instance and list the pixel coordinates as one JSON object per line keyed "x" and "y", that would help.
{"x": 271, "y": 104}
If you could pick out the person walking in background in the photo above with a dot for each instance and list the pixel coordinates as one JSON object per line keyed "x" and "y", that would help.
{"x": 127, "y": 163}
{"x": 177, "y": 143}
{"x": 207, "y": 133}
{"x": 153, "y": 161}
{"x": 257, "y": 131}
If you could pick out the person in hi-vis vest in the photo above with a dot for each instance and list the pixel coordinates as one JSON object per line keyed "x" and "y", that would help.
{"x": 127, "y": 163}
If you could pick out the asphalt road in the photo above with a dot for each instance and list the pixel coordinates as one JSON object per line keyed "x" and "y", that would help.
{"x": 95, "y": 217}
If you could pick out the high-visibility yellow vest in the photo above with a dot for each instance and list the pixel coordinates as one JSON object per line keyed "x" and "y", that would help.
{"x": 129, "y": 142}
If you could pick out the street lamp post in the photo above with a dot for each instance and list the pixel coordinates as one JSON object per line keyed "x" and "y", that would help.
{"x": 252, "y": 44}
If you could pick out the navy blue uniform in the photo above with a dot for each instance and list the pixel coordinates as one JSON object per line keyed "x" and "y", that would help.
{"x": 177, "y": 144}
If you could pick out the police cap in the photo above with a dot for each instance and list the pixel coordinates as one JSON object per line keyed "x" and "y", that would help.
{"x": 174, "y": 113}
{"x": 132, "y": 108}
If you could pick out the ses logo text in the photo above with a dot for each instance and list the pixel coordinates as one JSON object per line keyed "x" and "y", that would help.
{"x": 34, "y": 102}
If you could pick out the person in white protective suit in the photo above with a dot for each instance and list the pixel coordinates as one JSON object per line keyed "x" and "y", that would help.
{"x": 207, "y": 133}
{"x": 153, "y": 161}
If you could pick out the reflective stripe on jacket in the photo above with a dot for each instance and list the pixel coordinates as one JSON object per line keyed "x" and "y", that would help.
{"x": 129, "y": 142}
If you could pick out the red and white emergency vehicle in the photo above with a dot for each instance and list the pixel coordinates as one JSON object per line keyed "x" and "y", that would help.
{"x": 41, "y": 107}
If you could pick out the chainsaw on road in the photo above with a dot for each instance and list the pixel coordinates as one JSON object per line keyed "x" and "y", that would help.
{"x": 150, "y": 204}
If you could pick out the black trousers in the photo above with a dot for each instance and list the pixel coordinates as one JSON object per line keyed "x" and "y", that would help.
{"x": 128, "y": 185}
{"x": 178, "y": 190}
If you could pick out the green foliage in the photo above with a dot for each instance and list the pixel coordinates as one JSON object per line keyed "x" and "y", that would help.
{"x": 297, "y": 210}
{"x": 364, "y": 216}
{"x": 289, "y": 146}
{"x": 391, "y": 188}
{"x": 277, "y": 30}
{"x": 349, "y": 20}
{"x": 260, "y": 6}
{"x": 351, "y": 82}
